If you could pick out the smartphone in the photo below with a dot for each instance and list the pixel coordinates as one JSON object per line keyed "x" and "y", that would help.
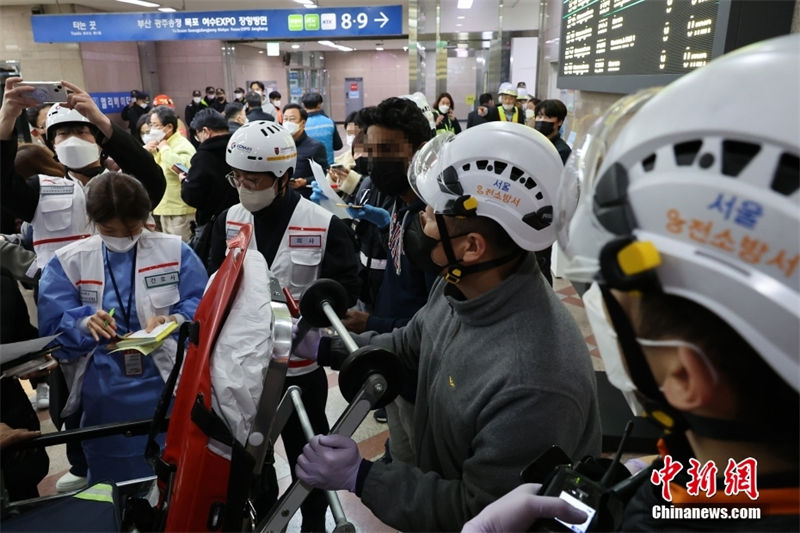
{"x": 180, "y": 168}
{"x": 48, "y": 92}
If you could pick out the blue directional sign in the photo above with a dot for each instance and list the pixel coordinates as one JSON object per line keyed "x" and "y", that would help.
{"x": 222, "y": 25}
{"x": 111, "y": 102}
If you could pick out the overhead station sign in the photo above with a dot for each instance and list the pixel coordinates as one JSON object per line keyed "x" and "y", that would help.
{"x": 222, "y": 25}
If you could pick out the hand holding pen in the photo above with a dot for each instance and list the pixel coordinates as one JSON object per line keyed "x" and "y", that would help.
{"x": 102, "y": 324}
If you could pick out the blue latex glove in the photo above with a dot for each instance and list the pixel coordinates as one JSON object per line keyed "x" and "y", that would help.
{"x": 329, "y": 462}
{"x": 309, "y": 344}
{"x": 520, "y": 508}
{"x": 316, "y": 193}
{"x": 370, "y": 213}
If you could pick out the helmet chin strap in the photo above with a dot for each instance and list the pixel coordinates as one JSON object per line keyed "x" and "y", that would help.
{"x": 455, "y": 272}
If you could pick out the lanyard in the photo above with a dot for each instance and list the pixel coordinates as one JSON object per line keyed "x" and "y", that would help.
{"x": 126, "y": 312}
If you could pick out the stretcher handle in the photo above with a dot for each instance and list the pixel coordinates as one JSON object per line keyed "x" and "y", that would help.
{"x": 291, "y": 303}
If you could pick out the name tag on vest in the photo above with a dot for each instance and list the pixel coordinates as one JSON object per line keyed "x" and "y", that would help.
{"x": 89, "y": 296}
{"x": 305, "y": 241}
{"x": 56, "y": 189}
{"x": 162, "y": 280}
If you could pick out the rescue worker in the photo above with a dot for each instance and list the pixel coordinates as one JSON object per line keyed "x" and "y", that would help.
{"x": 148, "y": 279}
{"x": 81, "y": 137}
{"x": 492, "y": 347}
{"x": 301, "y": 242}
{"x": 508, "y": 110}
{"x": 686, "y": 221}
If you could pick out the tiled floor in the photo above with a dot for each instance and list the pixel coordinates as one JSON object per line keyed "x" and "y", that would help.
{"x": 370, "y": 435}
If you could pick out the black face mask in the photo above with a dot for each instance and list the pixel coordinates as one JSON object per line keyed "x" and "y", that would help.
{"x": 388, "y": 175}
{"x": 418, "y": 247}
{"x": 362, "y": 166}
{"x": 544, "y": 127}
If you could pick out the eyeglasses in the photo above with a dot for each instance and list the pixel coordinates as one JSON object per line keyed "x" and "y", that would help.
{"x": 244, "y": 180}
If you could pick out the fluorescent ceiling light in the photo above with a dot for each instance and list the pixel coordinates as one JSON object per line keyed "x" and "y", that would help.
{"x": 379, "y": 48}
{"x": 139, "y": 3}
{"x": 339, "y": 47}
{"x": 295, "y": 46}
{"x": 460, "y": 17}
{"x": 167, "y": 9}
{"x": 303, "y": 1}
{"x": 464, "y": 4}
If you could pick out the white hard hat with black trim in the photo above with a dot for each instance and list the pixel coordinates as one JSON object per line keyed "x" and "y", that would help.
{"x": 709, "y": 201}
{"x": 262, "y": 146}
{"x": 59, "y": 114}
{"x": 504, "y": 171}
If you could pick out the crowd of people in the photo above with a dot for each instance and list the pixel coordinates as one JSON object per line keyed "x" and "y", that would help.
{"x": 444, "y": 258}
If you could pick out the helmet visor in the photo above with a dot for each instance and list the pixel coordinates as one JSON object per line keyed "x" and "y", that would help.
{"x": 423, "y": 172}
{"x": 580, "y": 235}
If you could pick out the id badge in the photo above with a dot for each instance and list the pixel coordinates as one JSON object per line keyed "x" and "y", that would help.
{"x": 134, "y": 365}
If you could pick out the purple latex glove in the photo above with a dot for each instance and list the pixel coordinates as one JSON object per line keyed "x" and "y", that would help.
{"x": 520, "y": 508}
{"x": 329, "y": 462}
{"x": 308, "y": 345}
{"x": 378, "y": 216}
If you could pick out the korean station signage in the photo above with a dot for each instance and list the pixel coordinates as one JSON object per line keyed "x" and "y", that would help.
{"x": 223, "y": 25}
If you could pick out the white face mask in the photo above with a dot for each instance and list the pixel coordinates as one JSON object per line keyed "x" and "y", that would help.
{"x": 156, "y": 134}
{"x": 143, "y": 105}
{"x": 530, "y": 113}
{"x": 238, "y": 95}
{"x": 76, "y": 153}
{"x": 120, "y": 244}
{"x": 196, "y": 99}
{"x": 509, "y": 108}
{"x": 256, "y": 200}
{"x": 443, "y": 109}
{"x": 607, "y": 344}
{"x": 349, "y": 139}
{"x": 291, "y": 127}
{"x": 276, "y": 103}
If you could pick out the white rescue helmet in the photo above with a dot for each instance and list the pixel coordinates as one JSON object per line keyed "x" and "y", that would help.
{"x": 710, "y": 201}
{"x": 262, "y": 146}
{"x": 500, "y": 170}
{"x": 58, "y": 114}
{"x": 423, "y": 105}
{"x": 522, "y": 94}
{"x": 507, "y": 88}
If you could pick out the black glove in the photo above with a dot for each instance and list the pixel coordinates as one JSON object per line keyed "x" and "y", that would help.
{"x": 332, "y": 352}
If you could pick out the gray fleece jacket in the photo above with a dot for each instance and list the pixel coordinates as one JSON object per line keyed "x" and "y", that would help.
{"x": 501, "y": 378}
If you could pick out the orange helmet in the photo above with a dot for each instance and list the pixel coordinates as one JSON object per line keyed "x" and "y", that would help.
{"x": 163, "y": 99}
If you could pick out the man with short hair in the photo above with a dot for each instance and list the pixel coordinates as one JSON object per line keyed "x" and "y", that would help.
{"x": 234, "y": 114}
{"x": 175, "y": 216}
{"x": 205, "y": 187}
{"x": 275, "y": 100}
{"x": 320, "y": 127}
{"x": 254, "y": 108}
{"x": 478, "y": 116}
{"x": 550, "y": 115}
{"x": 294, "y": 120}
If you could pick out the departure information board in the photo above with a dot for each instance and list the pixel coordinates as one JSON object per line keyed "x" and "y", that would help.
{"x": 624, "y": 45}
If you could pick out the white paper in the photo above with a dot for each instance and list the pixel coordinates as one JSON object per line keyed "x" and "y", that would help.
{"x": 13, "y": 350}
{"x": 143, "y": 333}
{"x": 331, "y": 198}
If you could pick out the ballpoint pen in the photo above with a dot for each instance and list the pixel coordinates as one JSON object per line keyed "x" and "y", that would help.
{"x": 110, "y": 314}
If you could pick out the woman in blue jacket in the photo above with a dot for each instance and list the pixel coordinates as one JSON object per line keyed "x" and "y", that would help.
{"x": 146, "y": 279}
